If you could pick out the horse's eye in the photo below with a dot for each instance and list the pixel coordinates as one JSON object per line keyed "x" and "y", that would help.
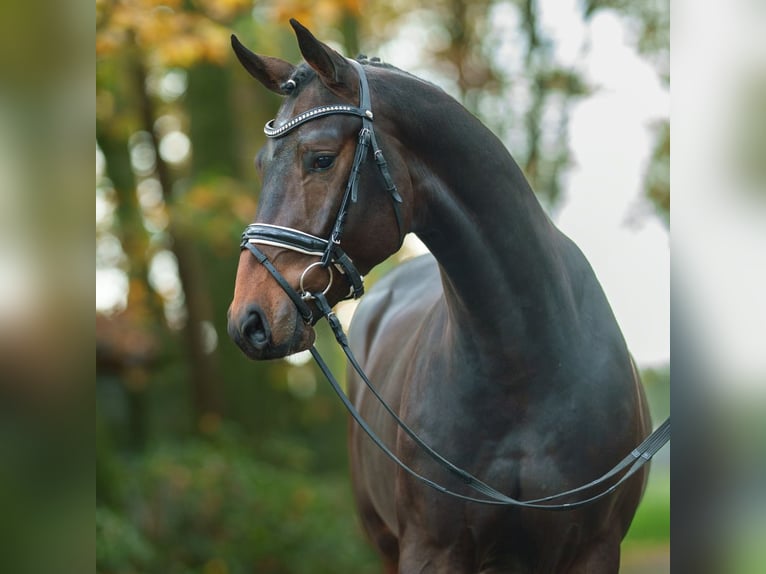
{"x": 323, "y": 162}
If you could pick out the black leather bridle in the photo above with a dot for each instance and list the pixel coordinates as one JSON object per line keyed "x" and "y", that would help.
{"x": 332, "y": 256}
{"x": 328, "y": 249}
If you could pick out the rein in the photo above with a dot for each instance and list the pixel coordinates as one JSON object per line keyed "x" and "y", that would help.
{"x": 333, "y": 257}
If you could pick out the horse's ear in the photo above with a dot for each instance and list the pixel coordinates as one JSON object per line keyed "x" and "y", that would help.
{"x": 271, "y": 72}
{"x": 334, "y": 70}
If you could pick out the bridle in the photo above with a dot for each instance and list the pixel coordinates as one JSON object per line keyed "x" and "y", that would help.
{"x": 332, "y": 256}
{"x": 329, "y": 250}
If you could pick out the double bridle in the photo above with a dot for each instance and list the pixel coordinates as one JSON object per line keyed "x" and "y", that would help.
{"x": 331, "y": 256}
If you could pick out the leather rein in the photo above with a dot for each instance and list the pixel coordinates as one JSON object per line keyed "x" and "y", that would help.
{"x": 333, "y": 257}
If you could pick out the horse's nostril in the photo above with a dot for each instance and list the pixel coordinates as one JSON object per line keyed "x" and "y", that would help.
{"x": 256, "y": 330}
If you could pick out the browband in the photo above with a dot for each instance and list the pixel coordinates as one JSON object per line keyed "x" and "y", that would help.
{"x": 312, "y": 114}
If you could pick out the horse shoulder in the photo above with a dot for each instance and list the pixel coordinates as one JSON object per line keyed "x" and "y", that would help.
{"x": 394, "y": 303}
{"x": 381, "y": 333}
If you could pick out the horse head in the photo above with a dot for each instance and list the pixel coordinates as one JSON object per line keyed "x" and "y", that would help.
{"x": 307, "y": 167}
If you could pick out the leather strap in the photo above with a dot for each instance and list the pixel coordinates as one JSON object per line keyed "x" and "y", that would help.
{"x": 301, "y": 305}
{"x": 286, "y": 237}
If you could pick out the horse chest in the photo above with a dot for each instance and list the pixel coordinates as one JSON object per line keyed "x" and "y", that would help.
{"x": 479, "y": 429}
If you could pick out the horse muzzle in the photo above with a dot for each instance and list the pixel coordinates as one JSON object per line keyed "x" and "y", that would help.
{"x": 261, "y": 338}
{"x": 262, "y": 320}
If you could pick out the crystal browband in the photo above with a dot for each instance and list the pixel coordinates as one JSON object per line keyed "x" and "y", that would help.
{"x": 274, "y": 132}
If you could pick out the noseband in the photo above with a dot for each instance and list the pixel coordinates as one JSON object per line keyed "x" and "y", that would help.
{"x": 332, "y": 256}
{"x": 328, "y": 250}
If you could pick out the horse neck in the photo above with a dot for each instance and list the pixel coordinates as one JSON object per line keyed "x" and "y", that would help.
{"x": 504, "y": 277}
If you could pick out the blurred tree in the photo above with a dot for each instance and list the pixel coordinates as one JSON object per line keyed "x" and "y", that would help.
{"x": 748, "y": 159}
{"x": 650, "y": 23}
{"x": 543, "y": 164}
{"x": 500, "y": 65}
{"x": 137, "y": 43}
{"x": 657, "y": 178}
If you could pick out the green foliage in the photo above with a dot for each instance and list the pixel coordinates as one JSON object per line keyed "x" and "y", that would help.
{"x": 646, "y": 546}
{"x": 120, "y": 545}
{"x": 657, "y": 385}
{"x": 651, "y": 524}
{"x": 748, "y": 159}
{"x": 657, "y": 177}
{"x": 206, "y": 507}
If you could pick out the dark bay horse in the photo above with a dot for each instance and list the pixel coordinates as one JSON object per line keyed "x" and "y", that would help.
{"x": 500, "y": 350}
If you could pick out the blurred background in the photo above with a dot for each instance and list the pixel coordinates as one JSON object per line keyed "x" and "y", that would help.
{"x": 207, "y": 462}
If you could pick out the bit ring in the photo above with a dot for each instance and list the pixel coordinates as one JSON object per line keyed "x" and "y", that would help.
{"x": 305, "y": 295}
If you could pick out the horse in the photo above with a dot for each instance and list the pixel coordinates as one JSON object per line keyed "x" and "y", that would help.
{"x": 499, "y": 347}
